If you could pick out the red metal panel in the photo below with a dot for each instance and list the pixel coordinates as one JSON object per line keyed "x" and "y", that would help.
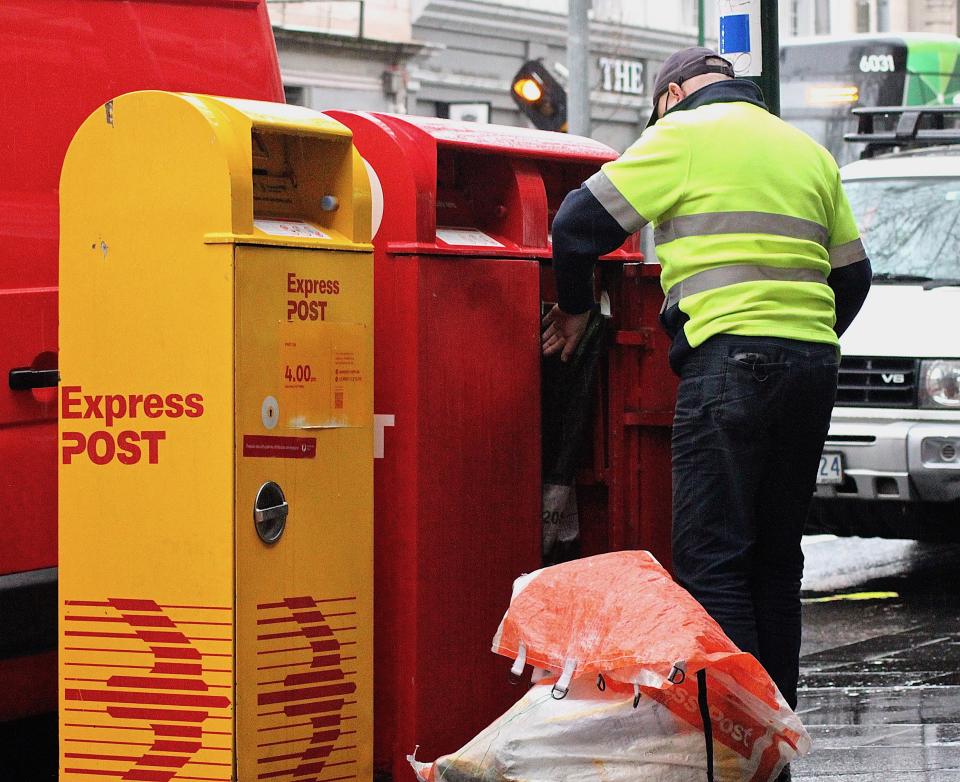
{"x": 398, "y": 614}
{"x": 30, "y": 340}
{"x": 641, "y": 392}
{"x": 479, "y": 498}
{"x": 63, "y": 58}
{"x": 457, "y": 503}
{"x": 29, "y": 539}
{"x": 624, "y": 490}
{"x": 457, "y": 492}
{"x": 59, "y": 61}
{"x": 657, "y": 392}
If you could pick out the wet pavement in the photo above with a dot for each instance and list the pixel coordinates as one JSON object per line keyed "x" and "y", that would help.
{"x": 880, "y": 662}
{"x": 880, "y": 668}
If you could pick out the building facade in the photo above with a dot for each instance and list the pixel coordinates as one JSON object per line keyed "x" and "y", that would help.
{"x": 457, "y": 58}
{"x": 345, "y": 54}
{"x": 477, "y": 47}
{"x": 846, "y": 17}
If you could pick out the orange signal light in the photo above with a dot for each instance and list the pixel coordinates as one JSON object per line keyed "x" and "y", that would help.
{"x": 528, "y": 89}
{"x": 539, "y": 96}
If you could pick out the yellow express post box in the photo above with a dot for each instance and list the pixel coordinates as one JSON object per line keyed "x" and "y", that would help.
{"x": 215, "y": 445}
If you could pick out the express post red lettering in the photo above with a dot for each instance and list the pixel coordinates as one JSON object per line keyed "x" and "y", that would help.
{"x": 127, "y": 447}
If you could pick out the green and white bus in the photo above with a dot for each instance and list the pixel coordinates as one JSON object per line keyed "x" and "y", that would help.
{"x": 821, "y": 79}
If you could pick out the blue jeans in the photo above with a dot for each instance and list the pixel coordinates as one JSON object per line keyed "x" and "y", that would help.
{"x": 752, "y": 414}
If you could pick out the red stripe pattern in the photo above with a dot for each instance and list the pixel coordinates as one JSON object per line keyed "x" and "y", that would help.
{"x": 315, "y": 690}
{"x": 172, "y": 698}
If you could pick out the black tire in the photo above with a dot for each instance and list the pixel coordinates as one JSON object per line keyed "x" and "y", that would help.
{"x": 940, "y": 522}
{"x": 865, "y": 519}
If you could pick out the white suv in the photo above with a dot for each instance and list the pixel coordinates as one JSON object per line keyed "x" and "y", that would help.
{"x": 891, "y": 463}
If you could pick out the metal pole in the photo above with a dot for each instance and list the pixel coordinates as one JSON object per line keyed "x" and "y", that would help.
{"x": 701, "y": 24}
{"x": 578, "y": 64}
{"x": 769, "y": 79}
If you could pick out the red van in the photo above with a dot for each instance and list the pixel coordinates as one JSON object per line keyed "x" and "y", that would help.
{"x": 59, "y": 61}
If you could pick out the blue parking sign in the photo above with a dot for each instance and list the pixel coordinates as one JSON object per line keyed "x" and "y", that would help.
{"x": 735, "y": 33}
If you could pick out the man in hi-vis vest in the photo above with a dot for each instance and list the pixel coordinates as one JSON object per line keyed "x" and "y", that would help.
{"x": 763, "y": 268}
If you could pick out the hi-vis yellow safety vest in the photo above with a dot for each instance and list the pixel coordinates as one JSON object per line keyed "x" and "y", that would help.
{"x": 749, "y": 216}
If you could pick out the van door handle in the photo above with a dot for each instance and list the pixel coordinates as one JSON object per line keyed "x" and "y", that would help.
{"x": 25, "y": 378}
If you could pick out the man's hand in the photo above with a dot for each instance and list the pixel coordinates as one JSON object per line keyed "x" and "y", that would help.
{"x": 563, "y": 332}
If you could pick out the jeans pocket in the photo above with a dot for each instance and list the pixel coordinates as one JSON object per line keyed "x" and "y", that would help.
{"x": 751, "y": 381}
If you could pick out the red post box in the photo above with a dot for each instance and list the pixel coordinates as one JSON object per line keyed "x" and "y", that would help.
{"x": 459, "y": 280}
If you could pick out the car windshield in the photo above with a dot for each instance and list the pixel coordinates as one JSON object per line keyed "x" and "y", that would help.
{"x": 910, "y": 227}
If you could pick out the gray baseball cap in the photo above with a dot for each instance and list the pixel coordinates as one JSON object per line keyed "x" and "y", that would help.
{"x": 683, "y": 65}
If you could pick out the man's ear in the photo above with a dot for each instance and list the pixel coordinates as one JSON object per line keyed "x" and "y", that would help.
{"x": 676, "y": 91}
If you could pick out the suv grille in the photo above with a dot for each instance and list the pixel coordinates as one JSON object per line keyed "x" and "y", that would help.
{"x": 877, "y": 382}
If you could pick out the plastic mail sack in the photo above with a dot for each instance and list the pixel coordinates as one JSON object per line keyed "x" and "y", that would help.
{"x": 620, "y": 645}
{"x": 600, "y": 736}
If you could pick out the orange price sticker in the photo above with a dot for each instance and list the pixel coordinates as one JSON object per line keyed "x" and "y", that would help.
{"x": 321, "y": 368}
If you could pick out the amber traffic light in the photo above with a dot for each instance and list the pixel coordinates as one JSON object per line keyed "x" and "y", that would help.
{"x": 540, "y": 96}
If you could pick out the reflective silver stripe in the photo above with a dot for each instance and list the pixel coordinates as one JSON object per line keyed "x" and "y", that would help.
{"x": 711, "y": 223}
{"x": 613, "y": 201}
{"x": 846, "y": 254}
{"x": 710, "y": 279}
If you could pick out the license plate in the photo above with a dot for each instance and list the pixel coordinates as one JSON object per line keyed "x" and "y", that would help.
{"x": 831, "y": 469}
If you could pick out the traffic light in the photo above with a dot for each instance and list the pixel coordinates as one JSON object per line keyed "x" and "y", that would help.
{"x": 540, "y": 96}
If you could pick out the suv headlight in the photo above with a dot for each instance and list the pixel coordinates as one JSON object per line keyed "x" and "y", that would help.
{"x": 940, "y": 383}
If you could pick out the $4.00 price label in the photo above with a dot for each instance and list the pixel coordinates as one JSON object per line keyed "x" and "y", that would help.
{"x": 322, "y": 374}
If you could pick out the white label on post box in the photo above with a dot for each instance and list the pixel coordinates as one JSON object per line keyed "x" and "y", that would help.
{"x": 466, "y": 236}
{"x": 290, "y": 228}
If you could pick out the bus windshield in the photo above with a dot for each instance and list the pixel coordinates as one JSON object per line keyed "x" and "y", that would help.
{"x": 823, "y": 79}
{"x": 910, "y": 227}
{"x": 821, "y": 82}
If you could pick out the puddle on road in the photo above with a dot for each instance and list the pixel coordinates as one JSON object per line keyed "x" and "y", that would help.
{"x": 880, "y": 666}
